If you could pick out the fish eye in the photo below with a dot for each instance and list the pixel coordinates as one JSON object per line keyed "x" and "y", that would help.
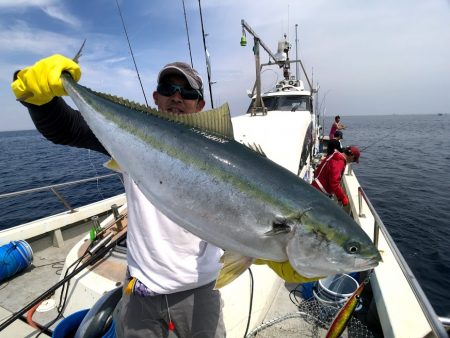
{"x": 352, "y": 247}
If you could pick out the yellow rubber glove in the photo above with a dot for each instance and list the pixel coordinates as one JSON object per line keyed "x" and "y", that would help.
{"x": 286, "y": 271}
{"x": 42, "y": 81}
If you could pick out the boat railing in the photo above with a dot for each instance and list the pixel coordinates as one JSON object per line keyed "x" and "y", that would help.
{"x": 53, "y": 188}
{"x": 436, "y": 323}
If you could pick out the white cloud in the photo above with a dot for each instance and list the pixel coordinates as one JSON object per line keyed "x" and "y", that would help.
{"x": 53, "y": 8}
{"x": 374, "y": 56}
{"x": 60, "y": 13}
{"x": 11, "y": 4}
{"x": 22, "y": 38}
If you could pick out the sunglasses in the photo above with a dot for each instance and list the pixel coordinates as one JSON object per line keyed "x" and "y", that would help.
{"x": 186, "y": 93}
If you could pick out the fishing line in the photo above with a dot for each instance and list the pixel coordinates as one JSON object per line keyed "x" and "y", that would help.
{"x": 373, "y": 143}
{"x": 131, "y": 51}
{"x": 96, "y": 174}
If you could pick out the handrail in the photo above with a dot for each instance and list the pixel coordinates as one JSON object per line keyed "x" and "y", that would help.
{"x": 59, "y": 185}
{"x": 53, "y": 187}
{"x": 435, "y": 322}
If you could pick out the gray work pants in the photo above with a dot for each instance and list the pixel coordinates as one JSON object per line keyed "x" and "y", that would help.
{"x": 196, "y": 313}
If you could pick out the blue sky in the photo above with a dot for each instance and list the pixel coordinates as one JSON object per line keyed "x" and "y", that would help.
{"x": 369, "y": 57}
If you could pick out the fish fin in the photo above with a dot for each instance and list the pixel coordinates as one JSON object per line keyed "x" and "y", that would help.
{"x": 256, "y": 147}
{"x": 234, "y": 265}
{"x": 113, "y": 165}
{"x": 216, "y": 121}
{"x": 280, "y": 225}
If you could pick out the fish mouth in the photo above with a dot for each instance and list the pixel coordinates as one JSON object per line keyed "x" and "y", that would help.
{"x": 365, "y": 264}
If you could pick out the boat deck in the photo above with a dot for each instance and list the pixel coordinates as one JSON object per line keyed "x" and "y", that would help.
{"x": 44, "y": 272}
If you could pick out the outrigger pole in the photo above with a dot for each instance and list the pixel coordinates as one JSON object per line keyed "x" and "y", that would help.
{"x": 258, "y": 105}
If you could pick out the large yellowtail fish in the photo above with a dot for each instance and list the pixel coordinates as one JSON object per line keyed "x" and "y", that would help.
{"x": 191, "y": 168}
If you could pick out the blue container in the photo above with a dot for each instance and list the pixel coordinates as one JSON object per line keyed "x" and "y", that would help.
{"x": 14, "y": 257}
{"x": 307, "y": 290}
{"x": 69, "y": 326}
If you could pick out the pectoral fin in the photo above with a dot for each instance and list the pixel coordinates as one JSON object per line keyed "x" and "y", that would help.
{"x": 113, "y": 165}
{"x": 234, "y": 265}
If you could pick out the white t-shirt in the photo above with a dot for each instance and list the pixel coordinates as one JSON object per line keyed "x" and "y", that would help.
{"x": 162, "y": 255}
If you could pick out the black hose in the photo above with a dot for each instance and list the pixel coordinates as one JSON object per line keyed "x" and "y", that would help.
{"x": 251, "y": 302}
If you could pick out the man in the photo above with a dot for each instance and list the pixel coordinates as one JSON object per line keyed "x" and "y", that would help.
{"x": 171, "y": 272}
{"x": 327, "y": 176}
{"x": 335, "y": 143}
{"x": 337, "y": 125}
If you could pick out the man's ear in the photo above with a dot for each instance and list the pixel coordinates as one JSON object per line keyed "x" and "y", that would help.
{"x": 155, "y": 97}
{"x": 200, "y": 105}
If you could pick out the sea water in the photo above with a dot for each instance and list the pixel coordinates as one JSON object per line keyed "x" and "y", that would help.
{"x": 28, "y": 160}
{"x": 403, "y": 169}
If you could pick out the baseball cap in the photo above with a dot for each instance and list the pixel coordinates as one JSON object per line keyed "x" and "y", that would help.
{"x": 181, "y": 68}
{"x": 355, "y": 152}
{"x": 338, "y": 133}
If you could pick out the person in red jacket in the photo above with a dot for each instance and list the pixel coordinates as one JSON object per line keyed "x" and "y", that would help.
{"x": 329, "y": 173}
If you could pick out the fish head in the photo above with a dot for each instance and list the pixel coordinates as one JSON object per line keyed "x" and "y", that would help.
{"x": 324, "y": 243}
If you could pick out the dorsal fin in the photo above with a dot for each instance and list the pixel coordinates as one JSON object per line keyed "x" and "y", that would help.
{"x": 256, "y": 147}
{"x": 216, "y": 121}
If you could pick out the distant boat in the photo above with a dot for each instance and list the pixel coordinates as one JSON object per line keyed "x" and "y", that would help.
{"x": 440, "y": 114}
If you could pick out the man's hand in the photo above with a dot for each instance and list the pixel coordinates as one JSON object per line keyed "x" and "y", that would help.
{"x": 40, "y": 83}
{"x": 286, "y": 271}
{"x": 344, "y": 201}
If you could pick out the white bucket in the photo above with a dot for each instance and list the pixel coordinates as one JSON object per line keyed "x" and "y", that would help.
{"x": 335, "y": 290}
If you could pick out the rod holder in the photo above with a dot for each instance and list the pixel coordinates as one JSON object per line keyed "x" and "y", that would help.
{"x": 115, "y": 210}
{"x": 96, "y": 223}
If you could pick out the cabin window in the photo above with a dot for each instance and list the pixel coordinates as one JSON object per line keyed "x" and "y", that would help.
{"x": 285, "y": 103}
{"x": 308, "y": 143}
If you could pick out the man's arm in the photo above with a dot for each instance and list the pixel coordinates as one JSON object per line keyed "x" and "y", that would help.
{"x": 61, "y": 124}
{"x": 39, "y": 88}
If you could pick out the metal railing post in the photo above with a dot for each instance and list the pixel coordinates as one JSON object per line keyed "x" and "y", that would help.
{"x": 360, "y": 205}
{"x": 63, "y": 201}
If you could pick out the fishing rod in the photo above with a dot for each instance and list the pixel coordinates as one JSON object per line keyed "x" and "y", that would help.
{"x": 91, "y": 260}
{"x": 373, "y": 143}
{"x": 208, "y": 66}
{"x": 131, "y": 51}
{"x": 187, "y": 33}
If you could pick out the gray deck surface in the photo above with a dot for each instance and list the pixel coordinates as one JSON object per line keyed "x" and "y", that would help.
{"x": 44, "y": 272}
